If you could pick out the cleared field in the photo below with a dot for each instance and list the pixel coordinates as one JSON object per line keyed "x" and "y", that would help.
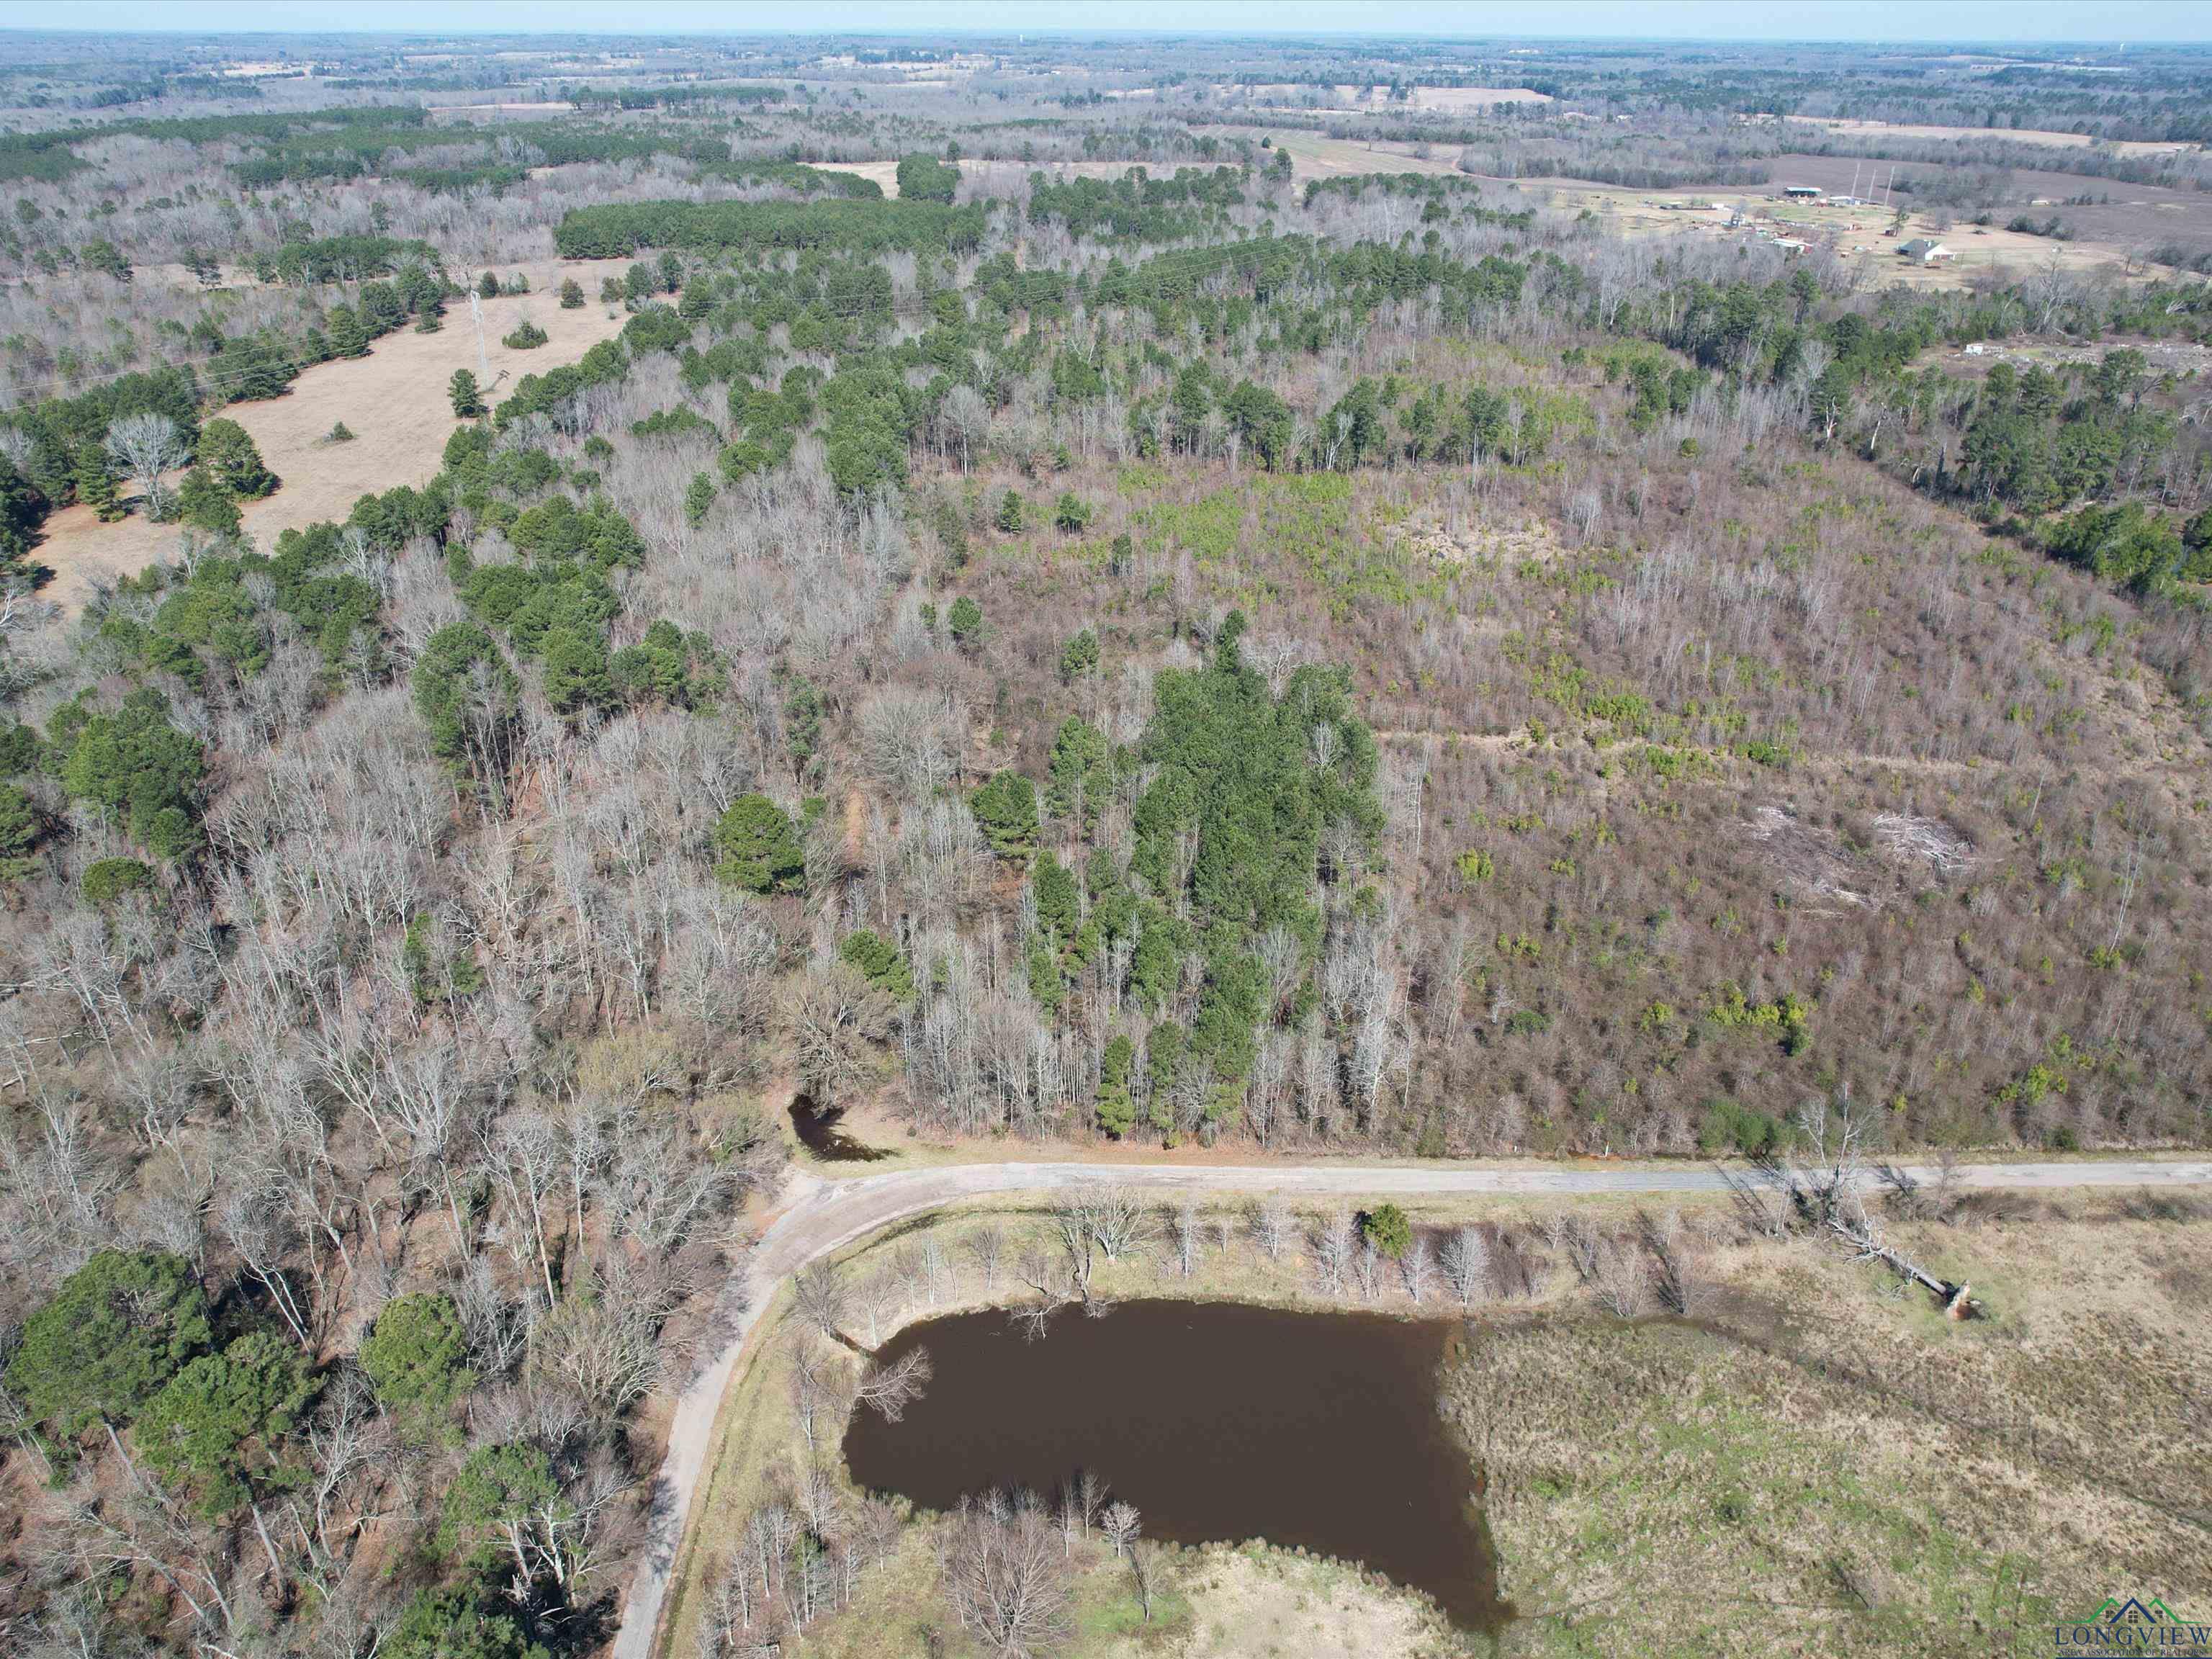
{"x": 885, "y": 173}
{"x": 1313, "y": 156}
{"x": 2119, "y": 219}
{"x": 1856, "y": 235}
{"x": 2012, "y": 134}
{"x": 393, "y": 401}
{"x": 1287, "y": 95}
{"x": 997, "y": 176}
{"x": 1808, "y": 1463}
{"x": 548, "y": 106}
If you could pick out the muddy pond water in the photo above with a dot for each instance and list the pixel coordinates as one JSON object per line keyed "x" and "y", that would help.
{"x": 1217, "y": 1420}
{"x": 819, "y": 1131}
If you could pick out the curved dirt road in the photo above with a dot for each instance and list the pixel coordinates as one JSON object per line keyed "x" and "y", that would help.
{"x": 819, "y": 1217}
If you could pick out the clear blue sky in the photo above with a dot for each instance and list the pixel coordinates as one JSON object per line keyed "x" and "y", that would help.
{"x": 1990, "y": 20}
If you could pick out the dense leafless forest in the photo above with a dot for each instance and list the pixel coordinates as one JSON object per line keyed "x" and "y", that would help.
{"x": 1157, "y": 594}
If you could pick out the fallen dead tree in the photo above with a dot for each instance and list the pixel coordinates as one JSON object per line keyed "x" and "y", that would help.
{"x": 1825, "y": 1194}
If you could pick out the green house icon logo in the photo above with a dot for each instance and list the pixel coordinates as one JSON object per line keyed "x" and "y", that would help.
{"x": 2135, "y": 1611}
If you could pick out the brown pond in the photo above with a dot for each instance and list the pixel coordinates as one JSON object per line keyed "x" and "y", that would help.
{"x": 1217, "y": 1420}
{"x": 818, "y": 1131}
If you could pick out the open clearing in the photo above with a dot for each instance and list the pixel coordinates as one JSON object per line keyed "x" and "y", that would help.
{"x": 394, "y": 403}
{"x": 1810, "y": 1451}
{"x": 1287, "y": 96}
{"x": 1856, "y": 233}
{"x": 2117, "y": 230}
{"x": 2010, "y": 134}
{"x": 1314, "y": 156}
{"x": 986, "y": 177}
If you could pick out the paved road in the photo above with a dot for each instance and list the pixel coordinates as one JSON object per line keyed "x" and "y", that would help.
{"x": 819, "y": 1217}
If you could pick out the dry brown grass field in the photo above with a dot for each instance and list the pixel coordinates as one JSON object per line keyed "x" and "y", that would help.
{"x": 394, "y": 401}
{"x": 2008, "y": 135}
{"x": 1815, "y": 1462}
{"x": 1855, "y": 233}
{"x": 1314, "y": 155}
{"x": 1452, "y": 100}
{"x": 986, "y": 177}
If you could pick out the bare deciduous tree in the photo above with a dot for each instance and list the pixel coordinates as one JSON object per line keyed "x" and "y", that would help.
{"x": 1418, "y": 1266}
{"x": 1465, "y": 1258}
{"x": 1007, "y": 1579}
{"x": 889, "y": 1389}
{"x": 987, "y": 1244}
{"x": 1332, "y": 1241}
{"x": 1367, "y": 1269}
{"x": 1184, "y": 1226}
{"x": 1121, "y": 1523}
{"x": 833, "y": 1014}
{"x": 1621, "y": 1277}
{"x": 142, "y": 447}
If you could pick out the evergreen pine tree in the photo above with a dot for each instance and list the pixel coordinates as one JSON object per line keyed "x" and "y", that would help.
{"x": 95, "y": 484}
{"x": 697, "y": 499}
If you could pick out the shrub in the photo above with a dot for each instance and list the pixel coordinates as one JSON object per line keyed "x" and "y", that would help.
{"x": 432, "y": 978}
{"x": 572, "y": 295}
{"x": 525, "y": 337}
{"x": 1726, "y": 1126}
{"x": 109, "y": 879}
{"x": 880, "y": 963}
{"x": 340, "y": 433}
{"x": 1386, "y": 1228}
{"x": 966, "y": 621}
{"x": 1070, "y": 514}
